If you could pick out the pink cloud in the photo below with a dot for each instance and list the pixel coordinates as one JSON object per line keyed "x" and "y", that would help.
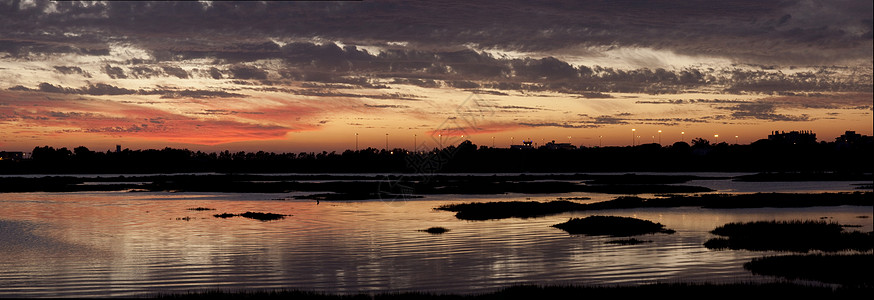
{"x": 105, "y": 118}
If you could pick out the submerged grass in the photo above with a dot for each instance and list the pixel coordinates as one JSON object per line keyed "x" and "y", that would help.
{"x": 796, "y": 236}
{"x": 201, "y": 208}
{"x": 631, "y": 241}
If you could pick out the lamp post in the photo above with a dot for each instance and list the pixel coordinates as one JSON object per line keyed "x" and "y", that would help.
{"x": 632, "y": 136}
{"x": 356, "y": 141}
{"x": 599, "y": 140}
{"x": 683, "y": 136}
{"x": 735, "y": 140}
{"x": 716, "y": 138}
{"x": 660, "y": 137}
{"x": 386, "y": 141}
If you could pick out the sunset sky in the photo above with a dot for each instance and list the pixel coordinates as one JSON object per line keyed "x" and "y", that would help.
{"x": 308, "y": 76}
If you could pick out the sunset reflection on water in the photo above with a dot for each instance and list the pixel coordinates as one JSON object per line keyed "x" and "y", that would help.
{"x": 125, "y": 244}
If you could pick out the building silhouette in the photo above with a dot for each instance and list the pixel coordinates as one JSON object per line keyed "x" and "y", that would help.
{"x": 6, "y": 155}
{"x": 525, "y": 145}
{"x": 804, "y": 137}
{"x": 556, "y": 146}
{"x": 853, "y": 138}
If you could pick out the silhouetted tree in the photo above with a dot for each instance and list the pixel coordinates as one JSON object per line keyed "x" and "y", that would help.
{"x": 700, "y": 143}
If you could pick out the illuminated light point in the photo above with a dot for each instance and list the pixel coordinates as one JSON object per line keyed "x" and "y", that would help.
{"x": 632, "y": 136}
{"x": 660, "y": 137}
{"x": 716, "y": 137}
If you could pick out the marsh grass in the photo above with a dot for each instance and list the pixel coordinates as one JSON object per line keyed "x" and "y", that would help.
{"x": 795, "y": 236}
{"x": 531, "y": 209}
{"x": 853, "y": 270}
{"x": 612, "y": 226}
{"x": 435, "y": 230}
{"x": 253, "y": 215}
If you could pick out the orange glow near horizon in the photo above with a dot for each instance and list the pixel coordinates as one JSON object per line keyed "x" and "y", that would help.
{"x": 286, "y": 123}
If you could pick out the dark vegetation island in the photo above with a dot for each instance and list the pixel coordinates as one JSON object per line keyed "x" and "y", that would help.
{"x": 781, "y": 152}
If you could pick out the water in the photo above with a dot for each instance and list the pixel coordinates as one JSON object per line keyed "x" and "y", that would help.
{"x": 100, "y": 244}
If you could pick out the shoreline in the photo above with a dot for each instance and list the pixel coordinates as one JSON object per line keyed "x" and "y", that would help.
{"x": 674, "y": 290}
{"x": 362, "y": 186}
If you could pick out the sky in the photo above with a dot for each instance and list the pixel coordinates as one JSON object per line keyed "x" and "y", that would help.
{"x": 286, "y": 76}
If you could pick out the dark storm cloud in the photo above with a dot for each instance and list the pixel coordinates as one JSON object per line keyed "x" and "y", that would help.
{"x": 428, "y": 44}
{"x": 139, "y": 72}
{"x": 247, "y": 72}
{"x": 68, "y": 70}
{"x": 799, "y": 32}
{"x": 197, "y": 94}
{"x": 762, "y": 111}
{"x": 175, "y": 71}
{"x": 98, "y": 89}
{"x": 114, "y": 72}
{"x": 24, "y": 49}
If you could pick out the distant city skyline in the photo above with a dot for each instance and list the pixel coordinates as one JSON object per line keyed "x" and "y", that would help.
{"x": 330, "y": 76}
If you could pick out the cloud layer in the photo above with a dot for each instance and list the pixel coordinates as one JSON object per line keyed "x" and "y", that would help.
{"x": 220, "y": 72}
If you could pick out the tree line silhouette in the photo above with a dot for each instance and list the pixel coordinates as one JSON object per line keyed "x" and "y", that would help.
{"x": 701, "y": 155}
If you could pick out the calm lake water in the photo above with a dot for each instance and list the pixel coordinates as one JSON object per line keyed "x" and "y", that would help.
{"x": 99, "y": 244}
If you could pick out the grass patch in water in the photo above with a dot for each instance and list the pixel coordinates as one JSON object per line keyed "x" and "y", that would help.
{"x": 795, "y": 236}
{"x": 853, "y": 270}
{"x": 530, "y": 209}
{"x": 435, "y": 230}
{"x": 612, "y": 226}
{"x": 253, "y": 215}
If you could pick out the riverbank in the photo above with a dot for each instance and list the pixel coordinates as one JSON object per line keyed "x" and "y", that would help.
{"x": 672, "y": 290}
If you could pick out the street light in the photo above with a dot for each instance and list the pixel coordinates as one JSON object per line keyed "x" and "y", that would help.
{"x": 356, "y": 141}
{"x": 660, "y": 137}
{"x": 683, "y": 136}
{"x": 716, "y": 137}
{"x": 599, "y": 140}
{"x": 735, "y": 140}
{"x": 632, "y": 136}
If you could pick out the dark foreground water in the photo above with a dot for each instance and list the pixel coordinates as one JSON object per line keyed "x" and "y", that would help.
{"x": 100, "y": 244}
